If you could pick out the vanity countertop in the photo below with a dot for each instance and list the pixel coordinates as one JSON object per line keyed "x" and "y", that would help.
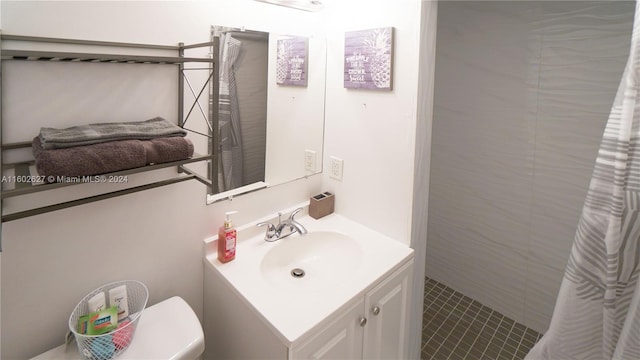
{"x": 293, "y": 311}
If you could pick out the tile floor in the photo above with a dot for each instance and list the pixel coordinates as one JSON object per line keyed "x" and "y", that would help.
{"x": 458, "y": 327}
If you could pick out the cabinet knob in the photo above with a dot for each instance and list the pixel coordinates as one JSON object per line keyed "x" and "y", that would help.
{"x": 375, "y": 310}
{"x": 363, "y": 321}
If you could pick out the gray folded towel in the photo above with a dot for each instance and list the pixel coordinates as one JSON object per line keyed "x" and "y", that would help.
{"x": 89, "y": 160}
{"x": 162, "y": 150}
{"x": 108, "y": 157}
{"x": 157, "y": 127}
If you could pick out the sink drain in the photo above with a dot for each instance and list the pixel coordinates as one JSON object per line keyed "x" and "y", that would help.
{"x": 297, "y": 273}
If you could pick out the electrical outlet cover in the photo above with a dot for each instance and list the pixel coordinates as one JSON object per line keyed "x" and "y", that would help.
{"x": 335, "y": 168}
{"x": 310, "y": 161}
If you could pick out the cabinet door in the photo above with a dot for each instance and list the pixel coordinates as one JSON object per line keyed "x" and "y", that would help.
{"x": 340, "y": 339}
{"x": 387, "y": 311}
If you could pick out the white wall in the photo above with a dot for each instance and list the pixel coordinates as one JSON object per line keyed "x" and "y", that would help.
{"x": 422, "y": 166}
{"x": 160, "y": 231}
{"x": 522, "y": 94}
{"x": 374, "y": 131}
{"x": 49, "y": 261}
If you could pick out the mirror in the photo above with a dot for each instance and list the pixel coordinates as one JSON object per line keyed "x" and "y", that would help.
{"x": 270, "y": 131}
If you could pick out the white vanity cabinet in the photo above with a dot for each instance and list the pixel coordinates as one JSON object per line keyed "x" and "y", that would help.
{"x": 341, "y": 339}
{"x": 373, "y": 327}
{"x": 340, "y": 292}
{"x": 387, "y": 315}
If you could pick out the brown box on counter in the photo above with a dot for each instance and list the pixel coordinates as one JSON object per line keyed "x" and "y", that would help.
{"x": 321, "y": 205}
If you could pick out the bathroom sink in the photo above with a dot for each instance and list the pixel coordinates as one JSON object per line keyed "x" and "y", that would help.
{"x": 340, "y": 258}
{"x": 312, "y": 262}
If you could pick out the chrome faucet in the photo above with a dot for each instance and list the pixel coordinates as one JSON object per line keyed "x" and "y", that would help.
{"x": 284, "y": 228}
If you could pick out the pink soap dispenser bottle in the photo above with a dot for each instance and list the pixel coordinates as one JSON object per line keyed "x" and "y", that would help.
{"x": 227, "y": 239}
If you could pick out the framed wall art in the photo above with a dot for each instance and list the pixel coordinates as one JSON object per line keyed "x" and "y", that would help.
{"x": 292, "y": 61}
{"x": 368, "y": 59}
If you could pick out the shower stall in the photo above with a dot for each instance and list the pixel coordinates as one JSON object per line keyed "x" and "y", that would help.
{"x": 523, "y": 91}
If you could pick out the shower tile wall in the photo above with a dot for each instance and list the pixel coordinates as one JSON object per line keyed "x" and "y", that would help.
{"x": 522, "y": 94}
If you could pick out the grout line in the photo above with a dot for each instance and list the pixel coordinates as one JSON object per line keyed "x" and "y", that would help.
{"x": 445, "y": 320}
{"x": 494, "y": 332}
{"x": 438, "y": 292}
{"x": 439, "y": 307}
{"x": 508, "y": 334}
{"x": 467, "y": 330}
{"x": 520, "y": 343}
{"x": 456, "y": 324}
{"x": 437, "y": 312}
{"x": 473, "y": 344}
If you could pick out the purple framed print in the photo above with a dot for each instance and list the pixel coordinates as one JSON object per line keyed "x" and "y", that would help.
{"x": 368, "y": 59}
{"x": 291, "y": 66}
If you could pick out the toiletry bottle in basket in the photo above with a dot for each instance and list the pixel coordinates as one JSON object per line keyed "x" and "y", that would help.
{"x": 227, "y": 239}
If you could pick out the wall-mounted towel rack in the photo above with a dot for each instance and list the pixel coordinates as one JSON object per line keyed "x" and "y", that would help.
{"x": 177, "y": 58}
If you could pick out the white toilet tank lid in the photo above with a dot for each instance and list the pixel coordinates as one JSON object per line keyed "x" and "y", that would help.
{"x": 167, "y": 330}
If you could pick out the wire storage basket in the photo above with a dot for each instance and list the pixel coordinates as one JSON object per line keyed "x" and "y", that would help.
{"x": 109, "y": 345}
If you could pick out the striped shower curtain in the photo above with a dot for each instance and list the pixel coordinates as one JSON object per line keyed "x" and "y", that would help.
{"x": 597, "y": 312}
{"x": 230, "y": 152}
